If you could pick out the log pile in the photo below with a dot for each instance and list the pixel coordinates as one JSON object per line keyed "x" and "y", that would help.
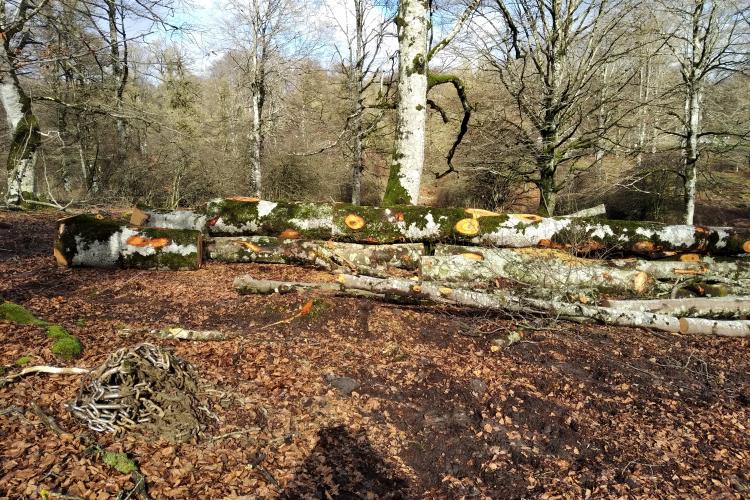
{"x": 553, "y": 265}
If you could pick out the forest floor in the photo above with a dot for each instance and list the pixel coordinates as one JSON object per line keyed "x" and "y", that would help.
{"x": 431, "y": 410}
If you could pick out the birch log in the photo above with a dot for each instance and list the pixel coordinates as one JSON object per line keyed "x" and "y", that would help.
{"x": 329, "y": 255}
{"x": 86, "y": 241}
{"x": 721, "y": 307}
{"x": 343, "y": 222}
{"x": 507, "y": 302}
{"x": 544, "y": 268}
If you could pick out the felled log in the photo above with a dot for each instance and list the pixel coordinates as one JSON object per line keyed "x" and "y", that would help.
{"x": 168, "y": 219}
{"x": 246, "y": 285}
{"x": 699, "y": 266}
{"x": 721, "y": 308}
{"x": 596, "y": 211}
{"x": 328, "y": 255}
{"x": 544, "y": 268}
{"x": 87, "y": 241}
{"x": 511, "y": 303}
{"x": 343, "y": 222}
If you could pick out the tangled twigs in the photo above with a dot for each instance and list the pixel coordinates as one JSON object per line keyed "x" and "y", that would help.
{"x": 144, "y": 386}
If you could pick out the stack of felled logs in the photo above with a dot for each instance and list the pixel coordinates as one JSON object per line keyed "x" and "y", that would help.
{"x": 555, "y": 262}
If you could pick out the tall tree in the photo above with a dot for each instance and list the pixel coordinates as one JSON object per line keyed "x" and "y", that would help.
{"x": 16, "y": 22}
{"x": 709, "y": 43}
{"x": 550, "y": 56}
{"x": 413, "y": 26}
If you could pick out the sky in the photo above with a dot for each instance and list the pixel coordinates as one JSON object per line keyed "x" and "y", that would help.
{"x": 207, "y": 41}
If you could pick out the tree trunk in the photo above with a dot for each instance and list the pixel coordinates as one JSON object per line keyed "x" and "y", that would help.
{"x": 246, "y": 285}
{"x": 690, "y": 153}
{"x": 86, "y": 241}
{"x": 25, "y": 137}
{"x": 511, "y": 303}
{"x": 356, "y": 84}
{"x": 329, "y": 255}
{"x": 548, "y": 269}
{"x": 671, "y": 270}
{"x": 343, "y": 222}
{"x": 405, "y": 175}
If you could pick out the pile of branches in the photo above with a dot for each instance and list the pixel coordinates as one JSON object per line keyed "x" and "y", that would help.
{"x": 576, "y": 266}
{"x": 142, "y": 387}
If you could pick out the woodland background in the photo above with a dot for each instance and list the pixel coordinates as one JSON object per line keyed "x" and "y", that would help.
{"x": 130, "y": 111}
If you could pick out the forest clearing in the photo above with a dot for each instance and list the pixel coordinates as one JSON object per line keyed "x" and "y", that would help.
{"x": 364, "y": 397}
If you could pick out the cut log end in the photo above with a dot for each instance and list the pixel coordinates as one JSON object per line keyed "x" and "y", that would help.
{"x": 140, "y": 241}
{"x": 354, "y": 222}
{"x": 59, "y": 257}
{"x": 528, "y": 217}
{"x": 641, "y": 282}
{"x": 467, "y": 227}
{"x": 746, "y": 246}
{"x": 684, "y": 325}
{"x": 472, "y": 256}
{"x": 690, "y": 257}
{"x": 248, "y": 199}
{"x": 289, "y": 234}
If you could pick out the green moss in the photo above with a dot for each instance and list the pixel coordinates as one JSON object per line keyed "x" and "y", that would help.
{"x": 18, "y": 314}
{"x": 23, "y": 361}
{"x": 395, "y": 193}
{"x": 119, "y": 461}
{"x": 57, "y": 332}
{"x": 67, "y": 347}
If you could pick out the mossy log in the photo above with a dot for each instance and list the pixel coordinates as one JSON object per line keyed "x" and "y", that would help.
{"x": 329, "y": 255}
{"x": 511, "y": 303}
{"x": 343, "y": 222}
{"x": 721, "y": 308}
{"x": 88, "y": 241}
{"x": 544, "y": 268}
{"x": 168, "y": 219}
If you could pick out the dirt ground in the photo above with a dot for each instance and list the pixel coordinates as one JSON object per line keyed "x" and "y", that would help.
{"x": 571, "y": 411}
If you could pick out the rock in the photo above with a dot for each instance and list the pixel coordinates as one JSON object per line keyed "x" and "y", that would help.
{"x": 478, "y": 387}
{"x": 345, "y": 385}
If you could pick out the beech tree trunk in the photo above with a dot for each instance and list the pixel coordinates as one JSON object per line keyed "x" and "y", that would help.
{"x": 24, "y": 132}
{"x": 86, "y": 241}
{"x": 344, "y": 222}
{"x": 548, "y": 269}
{"x": 405, "y": 176}
{"x": 168, "y": 219}
{"x": 674, "y": 269}
{"x": 329, "y": 255}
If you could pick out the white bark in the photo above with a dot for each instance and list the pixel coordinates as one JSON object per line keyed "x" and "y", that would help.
{"x": 719, "y": 307}
{"x": 21, "y": 177}
{"x": 408, "y": 157}
{"x": 511, "y": 303}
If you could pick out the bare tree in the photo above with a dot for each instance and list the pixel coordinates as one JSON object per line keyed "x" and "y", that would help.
{"x": 364, "y": 26}
{"x": 709, "y": 43}
{"x": 550, "y": 56}
{"x": 267, "y": 39}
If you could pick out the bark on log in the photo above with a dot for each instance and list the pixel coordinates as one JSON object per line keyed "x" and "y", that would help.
{"x": 246, "y": 285}
{"x": 88, "y": 241}
{"x": 507, "y": 302}
{"x": 720, "y": 308}
{"x": 168, "y": 219}
{"x": 738, "y": 269}
{"x": 590, "y": 212}
{"x": 329, "y": 255}
{"x": 344, "y": 222}
{"x": 543, "y": 268}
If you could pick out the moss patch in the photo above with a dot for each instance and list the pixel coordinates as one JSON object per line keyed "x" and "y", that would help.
{"x": 56, "y": 332}
{"x": 18, "y": 314}
{"x": 67, "y": 347}
{"x": 119, "y": 461}
{"x": 23, "y": 361}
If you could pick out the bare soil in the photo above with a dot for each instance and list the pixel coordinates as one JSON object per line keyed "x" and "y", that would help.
{"x": 572, "y": 410}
